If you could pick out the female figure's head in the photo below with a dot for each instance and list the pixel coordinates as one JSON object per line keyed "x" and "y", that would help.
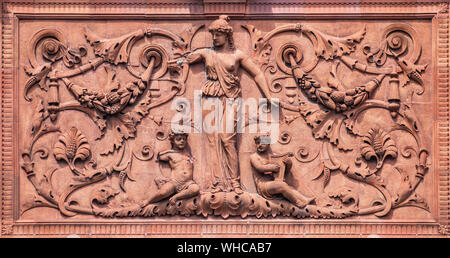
{"x": 222, "y": 32}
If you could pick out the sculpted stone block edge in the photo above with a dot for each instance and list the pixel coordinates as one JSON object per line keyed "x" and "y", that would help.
{"x": 443, "y": 83}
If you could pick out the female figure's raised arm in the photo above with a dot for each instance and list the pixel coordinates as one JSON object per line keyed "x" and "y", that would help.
{"x": 196, "y": 56}
{"x": 257, "y": 75}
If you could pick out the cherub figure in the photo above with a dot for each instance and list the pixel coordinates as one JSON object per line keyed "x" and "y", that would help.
{"x": 269, "y": 175}
{"x": 180, "y": 185}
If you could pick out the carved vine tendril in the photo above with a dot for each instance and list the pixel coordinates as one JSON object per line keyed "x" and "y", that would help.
{"x": 325, "y": 104}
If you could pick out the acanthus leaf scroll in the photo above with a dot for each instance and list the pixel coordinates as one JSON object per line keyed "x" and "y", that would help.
{"x": 322, "y": 102}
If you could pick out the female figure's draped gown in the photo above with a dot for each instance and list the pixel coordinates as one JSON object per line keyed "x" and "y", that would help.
{"x": 220, "y": 145}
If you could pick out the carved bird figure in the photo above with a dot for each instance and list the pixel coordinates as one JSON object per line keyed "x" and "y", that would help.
{"x": 411, "y": 70}
{"x": 38, "y": 76}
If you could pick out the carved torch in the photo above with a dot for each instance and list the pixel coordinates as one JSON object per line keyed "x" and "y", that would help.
{"x": 394, "y": 95}
{"x": 53, "y": 96}
{"x": 154, "y": 60}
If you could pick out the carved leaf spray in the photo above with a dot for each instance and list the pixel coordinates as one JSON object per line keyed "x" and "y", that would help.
{"x": 325, "y": 108}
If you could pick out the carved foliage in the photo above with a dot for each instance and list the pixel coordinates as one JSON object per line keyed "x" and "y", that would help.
{"x": 114, "y": 50}
{"x": 325, "y": 107}
{"x": 330, "y": 47}
{"x": 102, "y": 195}
{"x": 261, "y": 48}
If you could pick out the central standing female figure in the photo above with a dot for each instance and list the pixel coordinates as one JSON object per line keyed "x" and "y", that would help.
{"x": 222, "y": 63}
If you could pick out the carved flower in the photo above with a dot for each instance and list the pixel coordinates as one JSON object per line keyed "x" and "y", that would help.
{"x": 443, "y": 229}
{"x": 72, "y": 146}
{"x": 379, "y": 145}
{"x": 7, "y": 229}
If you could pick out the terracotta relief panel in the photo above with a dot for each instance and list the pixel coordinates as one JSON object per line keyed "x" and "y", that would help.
{"x": 226, "y": 119}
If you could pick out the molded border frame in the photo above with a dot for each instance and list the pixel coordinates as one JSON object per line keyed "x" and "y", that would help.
{"x": 13, "y": 12}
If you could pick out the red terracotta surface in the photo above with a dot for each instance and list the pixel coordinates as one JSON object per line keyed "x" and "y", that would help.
{"x": 90, "y": 102}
